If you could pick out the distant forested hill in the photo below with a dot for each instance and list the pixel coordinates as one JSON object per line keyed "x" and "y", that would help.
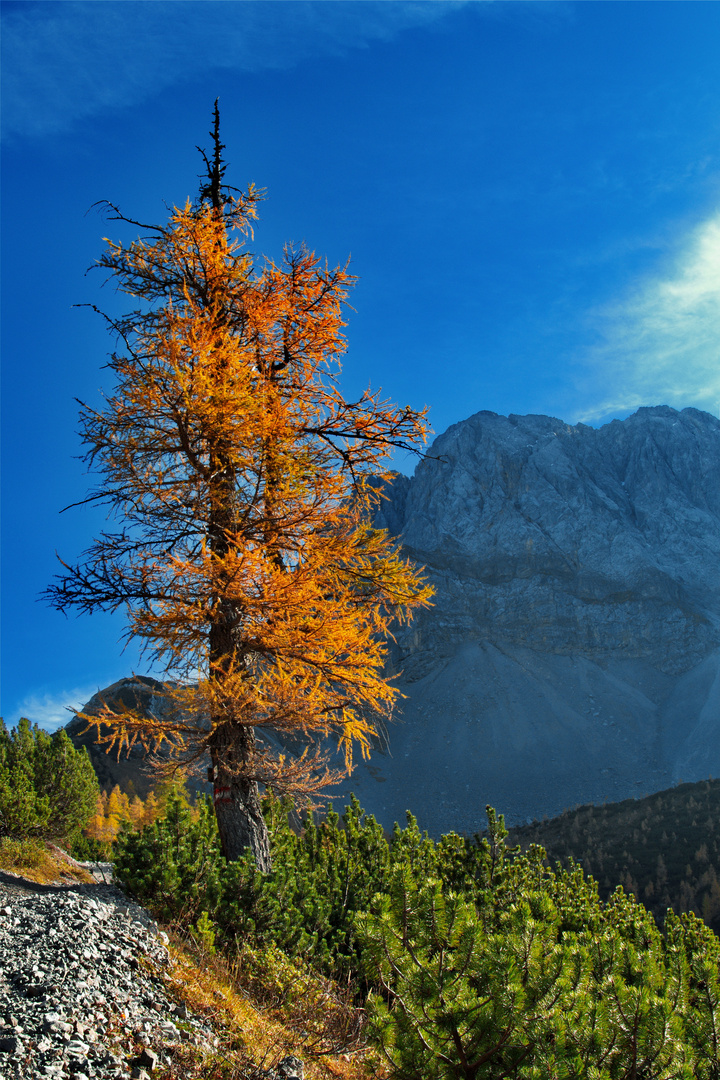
{"x": 664, "y": 848}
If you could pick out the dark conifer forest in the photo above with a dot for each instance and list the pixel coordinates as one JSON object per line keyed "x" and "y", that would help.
{"x": 664, "y": 848}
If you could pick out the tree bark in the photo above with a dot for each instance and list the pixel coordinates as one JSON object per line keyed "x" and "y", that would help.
{"x": 237, "y": 801}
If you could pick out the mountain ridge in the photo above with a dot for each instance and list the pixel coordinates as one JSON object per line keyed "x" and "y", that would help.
{"x": 581, "y": 515}
{"x": 573, "y": 653}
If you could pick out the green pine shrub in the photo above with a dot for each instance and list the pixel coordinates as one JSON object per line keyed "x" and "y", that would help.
{"x": 474, "y": 960}
{"x": 48, "y": 789}
{"x": 322, "y": 875}
{"x": 174, "y": 865}
{"x": 525, "y": 973}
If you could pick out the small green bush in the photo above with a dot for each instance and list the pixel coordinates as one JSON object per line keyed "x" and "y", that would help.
{"x": 204, "y": 933}
{"x": 527, "y": 974}
{"x": 48, "y": 789}
{"x": 174, "y": 864}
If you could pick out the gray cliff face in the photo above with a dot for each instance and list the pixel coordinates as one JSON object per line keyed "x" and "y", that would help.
{"x": 572, "y": 540}
{"x": 573, "y": 652}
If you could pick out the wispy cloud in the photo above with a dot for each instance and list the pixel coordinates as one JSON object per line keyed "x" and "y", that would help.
{"x": 65, "y": 62}
{"x": 50, "y": 710}
{"x": 662, "y": 342}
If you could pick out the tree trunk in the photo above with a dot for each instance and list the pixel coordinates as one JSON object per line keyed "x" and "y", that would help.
{"x": 241, "y": 823}
{"x": 237, "y": 801}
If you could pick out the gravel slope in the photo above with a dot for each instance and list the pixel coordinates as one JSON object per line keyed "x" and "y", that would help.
{"x": 81, "y": 987}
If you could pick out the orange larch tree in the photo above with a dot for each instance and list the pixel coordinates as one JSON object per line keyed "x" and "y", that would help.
{"x": 246, "y": 559}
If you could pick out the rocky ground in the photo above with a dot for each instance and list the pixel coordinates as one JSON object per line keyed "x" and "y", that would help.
{"x": 81, "y": 987}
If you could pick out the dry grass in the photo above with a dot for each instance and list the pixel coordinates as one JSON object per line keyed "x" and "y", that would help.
{"x": 41, "y": 863}
{"x": 254, "y": 1035}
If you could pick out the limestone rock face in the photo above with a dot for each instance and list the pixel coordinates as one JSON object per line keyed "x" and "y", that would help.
{"x": 570, "y": 540}
{"x": 573, "y": 652}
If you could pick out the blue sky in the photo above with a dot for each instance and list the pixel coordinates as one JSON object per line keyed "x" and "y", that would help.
{"x": 529, "y": 193}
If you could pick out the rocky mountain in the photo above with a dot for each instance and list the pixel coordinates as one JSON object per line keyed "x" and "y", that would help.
{"x": 573, "y": 651}
{"x": 139, "y": 693}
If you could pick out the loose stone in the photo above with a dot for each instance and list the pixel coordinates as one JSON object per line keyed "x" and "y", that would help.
{"x": 71, "y": 1003}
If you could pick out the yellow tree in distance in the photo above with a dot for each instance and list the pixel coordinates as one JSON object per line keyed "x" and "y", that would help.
{"x": 244, "y": 484}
